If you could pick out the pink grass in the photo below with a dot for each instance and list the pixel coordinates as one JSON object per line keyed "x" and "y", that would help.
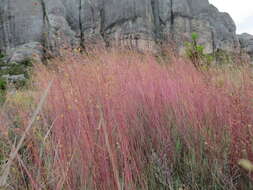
{"x": 145, "y": 105}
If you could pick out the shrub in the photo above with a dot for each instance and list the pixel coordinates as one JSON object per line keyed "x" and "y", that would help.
{"x": 11, "y": 69}
{"x": 2, "y": 90}
{"x": 1, "y": 55}
{"x": 195, "y": 53}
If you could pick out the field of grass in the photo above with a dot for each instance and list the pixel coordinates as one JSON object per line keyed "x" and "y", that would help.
{"x": 119, "y": 120}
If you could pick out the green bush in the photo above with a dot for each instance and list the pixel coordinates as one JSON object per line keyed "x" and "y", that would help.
{"x": 1, "y": 55}
{"x": 3, "y": 86}
{"x": 195, "y": 53}
{"x": 13, "y": 69}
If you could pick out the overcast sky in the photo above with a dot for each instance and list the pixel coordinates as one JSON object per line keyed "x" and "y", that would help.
{"x": 240, "y": 10}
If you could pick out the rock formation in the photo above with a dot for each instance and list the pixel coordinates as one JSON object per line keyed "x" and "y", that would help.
{"x": 29, "y": 27}
{"x": 246, "y": 43}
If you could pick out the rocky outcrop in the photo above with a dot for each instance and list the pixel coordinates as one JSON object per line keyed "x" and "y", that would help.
{"x": 246, "y": 42}
{"x": 133, "y": 23}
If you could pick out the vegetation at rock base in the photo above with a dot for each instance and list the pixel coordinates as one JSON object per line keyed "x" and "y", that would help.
{"x": 2, "y": 90}
{"x": 195, "y": 53}
{"x": 8, "y": 70}
{"x": 2, "y": 83}
{"x": 119, "y": 120}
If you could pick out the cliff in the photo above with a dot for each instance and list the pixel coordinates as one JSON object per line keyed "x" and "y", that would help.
{"x": 29, "y": 27}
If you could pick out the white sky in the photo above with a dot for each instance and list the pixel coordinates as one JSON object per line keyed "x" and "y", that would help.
{"x": 240, "y": 10}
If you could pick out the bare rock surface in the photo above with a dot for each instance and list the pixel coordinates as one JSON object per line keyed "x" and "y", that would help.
{"x": 135, "y": 23}
{"x": 246, "y": 43}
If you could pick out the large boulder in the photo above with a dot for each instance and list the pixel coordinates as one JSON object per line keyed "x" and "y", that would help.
{"x": 21, "y": 22}
{"x": 246, "y": 42}
{"x": 29, "y": 51}
{"x": 216, "y": 30}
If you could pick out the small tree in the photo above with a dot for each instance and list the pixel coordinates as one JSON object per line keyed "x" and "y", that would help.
{"x": 196, "y": 53}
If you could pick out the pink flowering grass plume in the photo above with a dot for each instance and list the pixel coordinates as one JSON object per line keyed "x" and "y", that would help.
{"x": 141, "y": 107}
{"x": 118, "y": 119}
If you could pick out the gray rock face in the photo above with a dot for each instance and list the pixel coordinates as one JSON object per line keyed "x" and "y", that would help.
{"x": 20, "y": 22}
{"x": 133, "y": 23}
{"x": 25, "y": 52}
{"x": 246, "y": 42}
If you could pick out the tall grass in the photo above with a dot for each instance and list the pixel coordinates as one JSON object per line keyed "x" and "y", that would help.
{"x": 123, "y": 120}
